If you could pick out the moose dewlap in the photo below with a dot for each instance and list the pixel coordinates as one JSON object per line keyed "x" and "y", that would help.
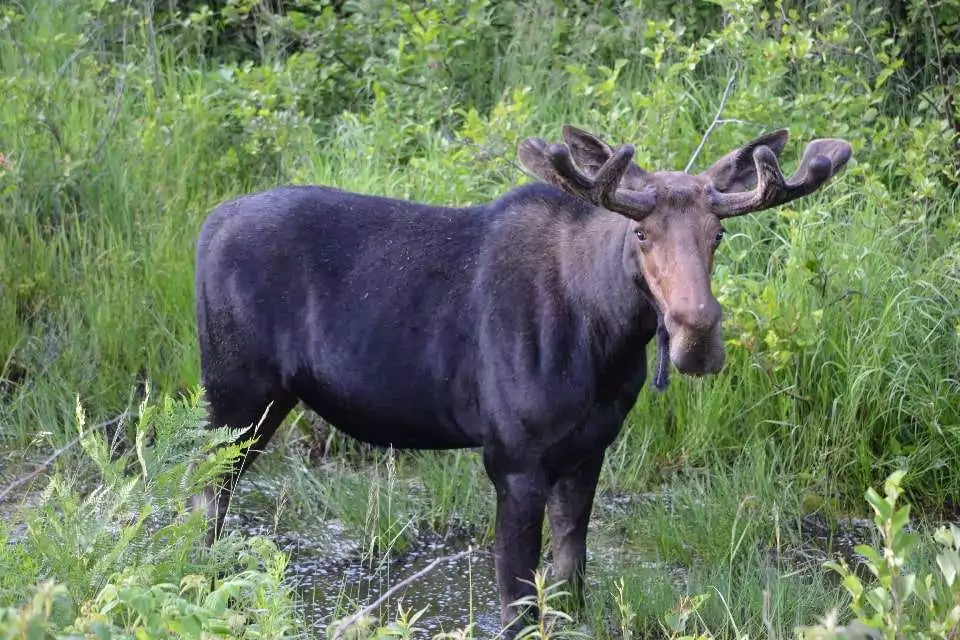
{"x": 518, "y": 326}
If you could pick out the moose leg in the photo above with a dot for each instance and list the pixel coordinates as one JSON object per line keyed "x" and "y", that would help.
{"x": 521, "y": 499}
{"x": 569, "y": 506}
{"x": 261, "y": 417}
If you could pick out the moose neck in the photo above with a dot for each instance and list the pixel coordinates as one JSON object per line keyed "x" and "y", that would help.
{"x": 600, "y": 267}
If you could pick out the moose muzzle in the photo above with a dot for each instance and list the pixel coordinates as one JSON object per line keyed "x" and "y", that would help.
{"x": 696, "y": 336}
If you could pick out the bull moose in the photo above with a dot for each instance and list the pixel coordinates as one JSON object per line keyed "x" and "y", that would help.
{"x": 518, "y": 326}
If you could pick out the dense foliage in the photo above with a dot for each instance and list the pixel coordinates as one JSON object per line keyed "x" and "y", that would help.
{"x": 122, "y": 123}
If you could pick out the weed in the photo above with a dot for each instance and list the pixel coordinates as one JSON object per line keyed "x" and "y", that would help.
{"x": 900, "y": 603}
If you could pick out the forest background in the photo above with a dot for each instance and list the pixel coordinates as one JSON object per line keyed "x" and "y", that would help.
{"x": 122, "y": 123}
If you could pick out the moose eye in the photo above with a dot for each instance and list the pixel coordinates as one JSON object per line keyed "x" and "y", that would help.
{"x": 641, "y": 236}
{"x": 719, "y": 237}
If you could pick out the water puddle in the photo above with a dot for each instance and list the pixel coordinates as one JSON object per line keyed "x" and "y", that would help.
{"x": 450, "y": 594}
{"x": 334, "y": 577}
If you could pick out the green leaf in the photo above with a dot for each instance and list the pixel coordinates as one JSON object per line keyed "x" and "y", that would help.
{"x": 880, "y": 506}
{"x": 906, "y": 585}
{"x": 949, "y": 563}
{"x": 900, "y": 519}
{"x": 873, "y": 556}
{"x": 101, "y": 630}
{"x": 880, "y": 599}
{"x": 192, "y": 626}
{"x": 884, "y": 76}
{"x": 892, "y": 484}
{"x": 853, "y": 586}
{"x": 944, "y": 536}
{"x": 925, "y": 591}
{"x": 953, "y": 618}
{"x": 905, "y": 543}
{"x": 948, "y": 537}
{"x": 676, "y": 621}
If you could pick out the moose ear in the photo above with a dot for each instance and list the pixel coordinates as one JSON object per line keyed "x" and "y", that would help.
{"x": 737, "y": 171}
{"x": 588, "y": 151}
{"x": 533, "y": 155}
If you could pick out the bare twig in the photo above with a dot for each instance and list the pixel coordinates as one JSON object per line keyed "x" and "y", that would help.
{"x": 345, "y": 624}
{"x": 486, "y": 151}
{"x": 121, "y": 86}
{"x": 849, "y": 293}
{"x": 948, "y": 97}
{"x": 713, "y": 125}
{"x": 66, "y": 63}
{"x": 51, "y": 126}
{"x": 933, "y": 105}
{"x": 411, "y": 83}
{"x": 56, "y": 454}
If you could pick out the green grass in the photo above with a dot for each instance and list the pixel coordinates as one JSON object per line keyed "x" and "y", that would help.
{"x": 736, "y": 535}
{"x": 742, "y": 536}
{"x": 842, "y": 311}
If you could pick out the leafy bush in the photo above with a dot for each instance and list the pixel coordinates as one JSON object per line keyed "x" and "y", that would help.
{"x": 900, "y": 603}
{"x": 117, "y": 555}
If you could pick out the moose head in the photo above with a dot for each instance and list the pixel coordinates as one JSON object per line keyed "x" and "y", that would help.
{"x": 675, "y": 219}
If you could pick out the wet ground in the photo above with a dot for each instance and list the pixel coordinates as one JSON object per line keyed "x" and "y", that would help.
{"x": 335, "y": 577}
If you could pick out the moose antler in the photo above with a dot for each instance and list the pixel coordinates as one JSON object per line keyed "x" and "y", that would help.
{"x": 553, "y": 163}
{"x": 822, "y": 159}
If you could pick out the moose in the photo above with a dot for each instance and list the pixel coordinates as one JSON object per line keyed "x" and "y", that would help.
{"x": 518, "y": 326}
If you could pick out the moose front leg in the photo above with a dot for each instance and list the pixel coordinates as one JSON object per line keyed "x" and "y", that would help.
{"x": 521, "y": 500}
{"x": 569, "y": 506}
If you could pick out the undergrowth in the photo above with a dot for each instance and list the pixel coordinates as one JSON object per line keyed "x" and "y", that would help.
{"x": 123, "y": 123}
{"x": 112, "y": 552}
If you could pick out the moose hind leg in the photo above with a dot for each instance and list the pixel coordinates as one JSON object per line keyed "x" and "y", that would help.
{"x": 569, "y": 506}
{"x": 260, "y": 417}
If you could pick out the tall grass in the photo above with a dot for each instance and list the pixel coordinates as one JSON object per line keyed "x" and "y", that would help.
{"x": 841, "y": 308}
{"x": 119, "y": 130}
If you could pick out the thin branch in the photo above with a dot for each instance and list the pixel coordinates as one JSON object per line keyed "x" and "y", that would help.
{"x": 121, "y": 86}
{"x": 66, "y": 63}
{"x": 56, "y": 454}
{"x": 933, "y": 105}
{"x": 849, "y": 293}
{"x": 948, "y": 102}
{"x": 487, "y": 152}
{"x": 411, "y": 83}
{"x": 345, "y": 624}
{"x": 713, "y": 125}
{"x": 51, "y": 126}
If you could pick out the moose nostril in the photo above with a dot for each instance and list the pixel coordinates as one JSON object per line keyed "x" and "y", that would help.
{"x": 702, "y": 317}
{"x": 715, "y": 311}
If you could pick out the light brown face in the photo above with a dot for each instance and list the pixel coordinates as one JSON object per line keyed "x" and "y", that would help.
{"x": 675, "y": 218}
{"x": 674, "y": 246}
